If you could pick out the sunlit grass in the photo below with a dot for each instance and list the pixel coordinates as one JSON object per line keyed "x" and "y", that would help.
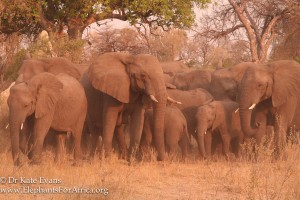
{"x": 249, "y": 178}
{"x": 172, "y": 179}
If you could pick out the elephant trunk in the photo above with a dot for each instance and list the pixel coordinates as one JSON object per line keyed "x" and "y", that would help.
{"x": 245, "y": 109}
{"x": 158, "y": 118}
{"x": 200, "y": 140}
{"x": 245, "y": 117}
{"x": 14, "y": 136}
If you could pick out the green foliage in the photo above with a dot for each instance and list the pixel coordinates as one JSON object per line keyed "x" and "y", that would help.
{"x": 71, "y": 49}
{"x": 12, "y": 71}
{"x": 30, "y": 16}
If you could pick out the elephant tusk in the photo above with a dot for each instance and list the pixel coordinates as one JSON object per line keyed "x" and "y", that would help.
{"x": 251, "y": 107}
{"x": 173, "y": 101}
{"x": 152, "y": 97}
{"x": 236, "y": 110}
{"x": 22, "y": 126}
{"x": 7, "y": 126}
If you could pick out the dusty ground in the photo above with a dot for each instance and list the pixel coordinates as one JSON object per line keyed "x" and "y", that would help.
{"x": 193, "y": 179}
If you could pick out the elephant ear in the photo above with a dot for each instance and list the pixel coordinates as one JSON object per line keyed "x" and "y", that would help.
{"x": 108, "y": 74}
{"x": 219, "y": 114}
{"x": 48, "y": 91}
{"x": 286, "y": 81}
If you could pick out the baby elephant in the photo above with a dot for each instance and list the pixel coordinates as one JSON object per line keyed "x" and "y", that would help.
{"x": 175, "y": 131}
{"x": 219, "y": 116}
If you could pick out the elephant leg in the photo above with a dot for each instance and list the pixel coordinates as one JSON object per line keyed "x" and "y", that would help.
{"x": 283, "y": 118}
{"x": 40, "y": 130}
{"x": 111, "y": 110}
{"x": 172, "y": 150}
{"x": 208, "y": 140}
{"x": 136, "y": 128}
{"x": 240, "y": 143}
{"x": 146, "y": 140}
{"x": 77, "y": 135}
{"x": 280, "y": 138}
{"x": 94, "y": 143}
{"x": 183, "y": 143}
{"x": 226, "y": 144}
{"x": 120, "y": 136}
{"x": 60, "y": 146}
{"x": 85, "y": 140}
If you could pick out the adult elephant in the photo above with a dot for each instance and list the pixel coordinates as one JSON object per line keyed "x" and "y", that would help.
{"x": 225, "y": 82}
{"x": 56, "y": 65}
{"x": 45, "y": 101}
{"x": 191, "y": 79}
{"x": 173, "y": 67}
{"x": 276, "y": 84}
{"x": 120, "y": 84}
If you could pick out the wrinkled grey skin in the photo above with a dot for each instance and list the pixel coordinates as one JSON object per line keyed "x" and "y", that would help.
{"x": 276, "y": 83}
{"x": 45, "y": 102}
{"x": 175, "y": 132}
{"x": 221, "y": 116}
{"x": 117, "y": 85}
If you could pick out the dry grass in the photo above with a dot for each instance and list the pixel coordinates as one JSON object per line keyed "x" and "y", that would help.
{"x": 172, "y": 179}
{"x": 193, "y": 179}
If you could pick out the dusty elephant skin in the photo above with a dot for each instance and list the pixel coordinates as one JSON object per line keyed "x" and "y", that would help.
{"x": 119, "y": 83}
{"x": 191, "y": 79}
{"x": 45, "y": 101}
{"x": 175, "y": 132}
{"x": 173, "y": 67}
{"x": 190, "y": 100}
{"x": 276, "y": 83}
{"x": 56, "y": 65}
{"x": 225, "y": 82}
{"x": 221, "y": 116}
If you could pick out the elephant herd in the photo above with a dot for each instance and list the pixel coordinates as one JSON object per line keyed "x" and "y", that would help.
{"x": 163, "y": 104}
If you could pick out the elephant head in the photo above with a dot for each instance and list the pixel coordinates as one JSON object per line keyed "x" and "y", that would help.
{"x": 126, "y": 77}
{"x": 35, "y": 97}
{"x": 225, "y": 82}
{"x": 274, "y": 83}
{"x": 208, "y": 117}
{"x": 32, "y": 67}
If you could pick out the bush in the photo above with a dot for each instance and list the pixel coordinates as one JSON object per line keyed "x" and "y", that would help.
{"x": 11, "y": 72}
